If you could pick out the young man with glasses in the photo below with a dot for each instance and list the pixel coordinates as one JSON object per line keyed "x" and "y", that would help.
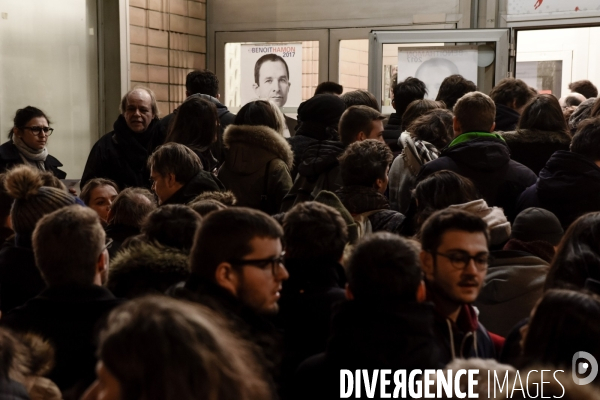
{"x": 455, "y": 259}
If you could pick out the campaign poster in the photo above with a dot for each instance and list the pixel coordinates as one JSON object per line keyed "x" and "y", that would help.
{"x": 433, "y": 64}
{"x": 272, "y": 72}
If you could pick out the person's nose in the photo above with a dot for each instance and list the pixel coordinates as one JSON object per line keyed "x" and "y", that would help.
{"x": 282, "y": 273}
{"x": 470, "y": 268}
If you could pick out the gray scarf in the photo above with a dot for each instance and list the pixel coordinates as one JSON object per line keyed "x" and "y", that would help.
{"x": 32, "y": 157}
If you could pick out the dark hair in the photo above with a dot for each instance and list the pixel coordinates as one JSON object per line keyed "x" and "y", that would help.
{"x": 265, "y": 58}
{"x": 6, "y": 201}
{"x": 202, "y": 82}
{"x": 205, "y": 207}
{"x": 454, "y": 87}
{"x": 225, "y": 235}
{"x": 92, "y": 184}
{"x": 195, "y": 125}
{"x": 360, "y": 98}
{"x": 416, "y": 109}
{"x": 176, "y": 159}
{"x": 362, "y": 163}
{"x": 510, "y": 90}
{"x": 578, "y": 255}
{"x": 476, "y": 112}
{"x": 357, "y": 119}
{"x": 258, "y": 112}
{"x": 384, "y": 267}
{"x": 441, "y": 190}
{"x": 172, "y": 225}
{"x": 314, "y": 231}
{"x": 545, "y": 114}
{"x": 434, "y": 127}
{"x": 226, "y": 197}
{"x": 565, "y": 322}
{"x": 330, "y": 88}
{"x": 584, "y": 87}
{"x": 586, "y": 141}
{"x": 450, "y": 219}
{"x": 595, "y": 111}
{"x": 406, "y": 92}
{"x": 23, "y": 116}
{"x": 581, "y": 113}
{"x": 131, "y": 207}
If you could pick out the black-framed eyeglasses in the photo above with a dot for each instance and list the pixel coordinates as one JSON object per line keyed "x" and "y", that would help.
{"x": 108, "y": 244}
{"x": 460, "y": 259}
{"x": 37, "y": 130}
{"x": 275, "y": 263}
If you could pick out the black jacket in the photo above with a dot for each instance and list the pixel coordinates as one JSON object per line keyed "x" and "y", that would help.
{"x": 307, "y": 134}
{"x": 486, "y": 161}
{"x": 506, "y": 118}
{"x": 391, "y": 133}
{"x": 203, "y": 182}
{"x": 569, "y": 186}
{"x": 9, "y": 157}
{"x": 383, "y": 335}
{"x": 68, "y": 317}
{"x": 122, "y": 155}
{"x": 119, "y": 233}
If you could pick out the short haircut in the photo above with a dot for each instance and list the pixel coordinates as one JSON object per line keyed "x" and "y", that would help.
{"x": 205, "y": 207}
{"x": 417, "y": 108}
{"x": 476, "y": 112}
{"x": 131, "y": 207}
{"x": 584, "y": 87}
{"x": 92, "y": 184}
{"x": 195, "y": 124}
{"x": 586, "y": 141}
{"x": 226, "y": 235}
{"x": 258, "y": 112}
{"x": 268, "y": 57}
{"x": 172, "y": 225}
{"x": 314, "y": 231}
{"x": 454, "y": 87}
{"x": 329, "y": 88}
{"x": 24, "y": 115}
{"x": 384, "y": 266}
{"x": 544, "y": 113}
{"x": 434, "y": 127}
{"x": 202, "y": 81}
{"x": 226, "y": 197}
{"x": 357, "y": 119}
{"x": 362, "y": 163}
{"x": 176, "y": 159}
{"x": 67, "y": 244}
{"x": 154, "y": 105}
{"x": 360, "y": 98}
{"x": 406, "y": 92}
{"x": 510, "y": 90}
{"x": 450, "y": 219}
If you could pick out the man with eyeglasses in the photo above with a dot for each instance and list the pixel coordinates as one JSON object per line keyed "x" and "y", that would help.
{"x": 455, "y": 259}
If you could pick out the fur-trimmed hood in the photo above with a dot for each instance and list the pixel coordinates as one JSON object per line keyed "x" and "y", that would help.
{"x": 251, "y": 147}
{"x": 144, "y": 268}
{"x": 535, "y": 136}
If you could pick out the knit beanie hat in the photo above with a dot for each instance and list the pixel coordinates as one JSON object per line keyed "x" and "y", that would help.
{"x": 331, "y": 200}
{"x": 325, "y": 109}
{"x": 537, "y": 224}
{"x": 32, "y": 199}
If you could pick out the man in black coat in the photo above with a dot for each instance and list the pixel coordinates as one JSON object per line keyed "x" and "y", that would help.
{"x": 70, "y": 251}
{"x": 569, "y": 184}
{"x": 511, "y": 95}
{"x": 481, "y": 156}
{"x": 121, "y": 155}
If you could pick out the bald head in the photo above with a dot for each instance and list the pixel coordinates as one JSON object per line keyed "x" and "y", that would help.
{"x": 139, "y": 108}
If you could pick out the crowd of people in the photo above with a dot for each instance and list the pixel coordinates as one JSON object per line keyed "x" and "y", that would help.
{"x": 210, "y": 256}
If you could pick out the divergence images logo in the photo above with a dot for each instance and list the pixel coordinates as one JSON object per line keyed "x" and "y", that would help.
{"x": 582, "y": 367}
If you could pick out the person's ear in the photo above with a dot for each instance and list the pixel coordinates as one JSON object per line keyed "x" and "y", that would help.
{"x": 227, "y": 278}
{"x": 456, "y": 127}
{"x": 255, "y": 87}
{"x": 218, "y": 96}
{"x": 378, "y": 184}
{"x": 187, "y": 94}
{"x": 426, "y": 263}
{"x": 171, "y": 180}
{"x": 349, "y": 294}
{"x": 102, "y": 268}
{"x": 493, "y": 127}
{"x": 421, "y": 292}
{"x": 361, "y": 136}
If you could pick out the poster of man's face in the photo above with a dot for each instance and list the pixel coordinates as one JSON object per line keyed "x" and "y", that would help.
{"x": 276, "y": 73}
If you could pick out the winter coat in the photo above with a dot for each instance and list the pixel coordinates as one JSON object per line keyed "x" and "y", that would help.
{"x": 484, "y": 158}
{"x": 379, "y": 335}
{"x": 308, "y": 133}
{"x": 507, "y": 119}
{"x": 513, "y": 285}
{"x": 533, "y": 148}
{"x": 146, "y": 268}
{"x": 204, "y": 181}
{"x": 405, "y": 169}
{"x": 122, "y": 155}
{"x": 494, "y": 217}
{"x": 568, "y": 186}
{"x": 391, "y": 134}
{"x": 9, "y": 157}
{"x": 225, "y": 118}
{"x": 11, "y": 390}
{"x": 257, "y": 167}
{"x": 370, "y": 209}
{"x": 67, "y": 316}
{"x": 318, "y": 170}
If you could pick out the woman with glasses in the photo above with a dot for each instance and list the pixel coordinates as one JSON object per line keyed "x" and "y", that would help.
{"x": 27, "y": 143}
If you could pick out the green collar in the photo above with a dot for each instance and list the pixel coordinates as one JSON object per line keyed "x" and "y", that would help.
{"x": 465, "y": 137}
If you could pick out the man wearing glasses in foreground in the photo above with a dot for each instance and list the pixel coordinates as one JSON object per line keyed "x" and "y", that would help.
{"x": 455, "y": 259}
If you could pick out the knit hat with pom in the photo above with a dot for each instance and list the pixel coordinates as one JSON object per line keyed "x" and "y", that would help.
{"x": 32, "y": 199}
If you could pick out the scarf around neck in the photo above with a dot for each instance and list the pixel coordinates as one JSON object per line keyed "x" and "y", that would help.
{"x": 30, "y": 156}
